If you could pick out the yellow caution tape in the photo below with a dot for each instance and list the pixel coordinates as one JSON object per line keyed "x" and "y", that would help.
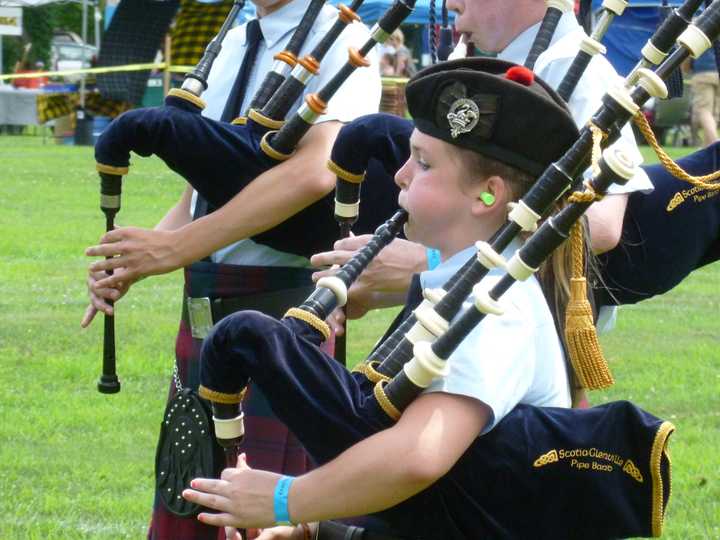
{"x": 111, "y": 69}
{"x": 160, "y": 66}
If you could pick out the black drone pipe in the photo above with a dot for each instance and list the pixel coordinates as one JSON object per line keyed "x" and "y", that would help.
{"x": 196, "y": 80}
{"x": 590, "y": 46}
{"x": 287, "y": 59}
{"x": 279, "y": 145}
{"x": 658, "y": 46}
{"x": 555, "y": 10}
{"x": 273, "y": 112}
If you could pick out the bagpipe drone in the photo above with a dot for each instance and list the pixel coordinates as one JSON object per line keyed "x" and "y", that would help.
{"x": 444, "y": 304}
{"x": 523, "y": 467}
{"x": 193, "y": 145}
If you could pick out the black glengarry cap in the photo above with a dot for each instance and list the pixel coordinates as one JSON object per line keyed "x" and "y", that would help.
{"x": 496, "y": 108}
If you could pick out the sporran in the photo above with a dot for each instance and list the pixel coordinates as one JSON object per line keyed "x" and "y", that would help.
{"x": 187, "y": 449}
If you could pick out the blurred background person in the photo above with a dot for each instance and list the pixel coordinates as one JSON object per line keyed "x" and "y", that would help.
{"x": 404, "y": 62}
{"x": 705, "y": 85}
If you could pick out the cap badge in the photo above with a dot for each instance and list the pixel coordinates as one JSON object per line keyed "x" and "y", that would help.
{"x": 463, "y": 116}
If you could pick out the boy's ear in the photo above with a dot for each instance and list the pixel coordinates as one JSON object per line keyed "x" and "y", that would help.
{"x": 491, "y": 195}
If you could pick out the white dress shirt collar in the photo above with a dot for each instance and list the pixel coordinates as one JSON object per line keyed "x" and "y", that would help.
{"x": 278, "y": 24}
{"x": 518, "y": 49}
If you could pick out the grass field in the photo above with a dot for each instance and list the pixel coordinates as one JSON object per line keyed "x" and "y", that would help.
{"x": 77, "y": 464}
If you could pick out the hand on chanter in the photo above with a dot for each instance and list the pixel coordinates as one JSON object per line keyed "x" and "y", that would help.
{"x": 386, "y": 279}
{"x": 242, "y": 496}
{"x": 141, "y": 252}
{"x": 100, "y": 295}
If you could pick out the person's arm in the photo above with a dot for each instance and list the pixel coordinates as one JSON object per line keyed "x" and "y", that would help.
{"x": 605, "y": 219}
{"x": 432, "y": 434}
{"x": 99, "y": 293}
{"x": 178, "y": 215}
{"x": 268, "y": 200}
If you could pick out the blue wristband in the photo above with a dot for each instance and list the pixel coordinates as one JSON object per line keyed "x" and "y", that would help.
{"x": 280, "y": 500}
{"x": 433, "y": 258}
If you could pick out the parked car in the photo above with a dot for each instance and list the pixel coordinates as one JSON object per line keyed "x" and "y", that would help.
{"x": 68, "y": 52}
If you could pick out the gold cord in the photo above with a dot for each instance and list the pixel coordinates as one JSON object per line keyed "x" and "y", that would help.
{"x": 581, "y": 339}
{"x": 598, "y": 136}
{"x": 589, "y": 195}
{"x": 667, "y": 162}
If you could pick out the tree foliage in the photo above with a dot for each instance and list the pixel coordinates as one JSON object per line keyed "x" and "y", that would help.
{"x": 39, "y": 24}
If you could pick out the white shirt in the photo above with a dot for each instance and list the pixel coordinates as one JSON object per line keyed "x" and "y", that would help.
{"x": 508, "y": 359}
{"x": 359, "y": 95}
{"x": 553, "y": 64}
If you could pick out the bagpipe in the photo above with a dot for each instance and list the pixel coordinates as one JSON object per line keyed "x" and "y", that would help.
{"x": 440, "y": 306}
{"x": 219, "y": 158}
{"x": 596, "y": 473}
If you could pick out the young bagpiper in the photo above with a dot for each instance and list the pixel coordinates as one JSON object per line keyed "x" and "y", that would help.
{"x": 484, "y": 131}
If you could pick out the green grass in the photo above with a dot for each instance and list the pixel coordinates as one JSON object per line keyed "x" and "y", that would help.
{"x": 78, "y": 464}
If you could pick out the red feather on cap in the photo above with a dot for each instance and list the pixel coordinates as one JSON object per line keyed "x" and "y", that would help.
{"x": 520, "y": 74}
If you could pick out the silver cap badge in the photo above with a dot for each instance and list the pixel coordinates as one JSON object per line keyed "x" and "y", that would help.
{"x": 463, "y": 116}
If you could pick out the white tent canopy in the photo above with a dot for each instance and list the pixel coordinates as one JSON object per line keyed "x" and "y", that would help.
{"x": 27, "y": 3}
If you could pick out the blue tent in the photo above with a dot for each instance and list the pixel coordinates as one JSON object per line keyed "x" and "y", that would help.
{"x": 629, "y": 33}
{"x": 372, "y": 10}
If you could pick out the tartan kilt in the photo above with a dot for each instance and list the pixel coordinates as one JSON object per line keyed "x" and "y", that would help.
{"x": 269, "y": 445}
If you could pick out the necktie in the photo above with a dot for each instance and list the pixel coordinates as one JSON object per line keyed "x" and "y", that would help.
{"x": 237, "y": 94}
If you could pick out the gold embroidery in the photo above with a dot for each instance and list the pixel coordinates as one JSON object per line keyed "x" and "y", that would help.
{"x": 632, "y": 470}
{"x": 676, "y": 201}
{"x": 545, "y": 459}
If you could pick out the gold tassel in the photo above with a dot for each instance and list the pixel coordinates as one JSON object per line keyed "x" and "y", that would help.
{"x": 581, "y": 339}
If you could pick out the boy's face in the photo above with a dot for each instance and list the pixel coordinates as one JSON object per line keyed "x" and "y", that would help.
{"x": 431, "y": 191}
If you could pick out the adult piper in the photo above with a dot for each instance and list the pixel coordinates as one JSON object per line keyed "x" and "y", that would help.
{"x": 245, "y": 274}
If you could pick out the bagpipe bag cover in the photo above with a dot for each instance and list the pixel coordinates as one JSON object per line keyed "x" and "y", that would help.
{"x": 219, "y": 159}
{"x": 667, "y": 233}
{"x": 555, "y": 473}
{"x": 209, "y": 154}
